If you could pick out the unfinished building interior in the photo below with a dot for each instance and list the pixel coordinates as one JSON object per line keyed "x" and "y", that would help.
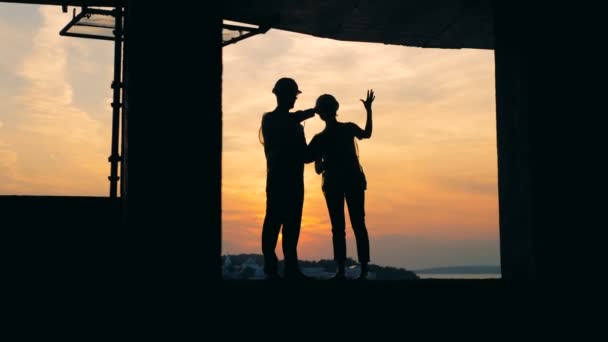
{"x": 149, "y": 231}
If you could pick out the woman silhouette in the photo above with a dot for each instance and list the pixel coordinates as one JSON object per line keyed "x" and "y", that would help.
{"x": 336, "y": 157}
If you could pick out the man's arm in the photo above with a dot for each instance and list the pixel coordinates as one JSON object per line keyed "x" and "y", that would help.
{"x": 319, "y": 166}
{"x": 311, "y": 152}
{"x": 302, "y": 115}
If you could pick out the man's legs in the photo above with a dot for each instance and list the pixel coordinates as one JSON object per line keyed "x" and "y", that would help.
{"x": 291, "y": 229}
{"x": 270, "y": 233}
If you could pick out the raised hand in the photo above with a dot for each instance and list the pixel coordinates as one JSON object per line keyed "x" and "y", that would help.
{"x": 368, "y": 100}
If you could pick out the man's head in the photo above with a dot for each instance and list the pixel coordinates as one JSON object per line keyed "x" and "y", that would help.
{"x": 327, "y": 106}
{"x": 286, "y": 91}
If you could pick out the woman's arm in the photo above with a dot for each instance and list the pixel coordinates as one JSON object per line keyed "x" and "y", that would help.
{"x": 367, "y": 103}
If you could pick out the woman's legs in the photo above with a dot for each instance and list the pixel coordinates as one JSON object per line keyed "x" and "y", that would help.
{"x": 355, "y": 199}
{"x": 335, "y": 206}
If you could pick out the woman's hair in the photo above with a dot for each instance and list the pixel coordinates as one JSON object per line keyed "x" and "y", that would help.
{"x": 327, "y": 103}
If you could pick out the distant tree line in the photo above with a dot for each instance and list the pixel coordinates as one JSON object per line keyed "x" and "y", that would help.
{"x": 382, "y": 272}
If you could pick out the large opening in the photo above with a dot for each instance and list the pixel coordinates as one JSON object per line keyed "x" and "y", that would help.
{"x": 55, "y": 128}
{"x": 55, "y": 140}
{"x": 431, "y": 164}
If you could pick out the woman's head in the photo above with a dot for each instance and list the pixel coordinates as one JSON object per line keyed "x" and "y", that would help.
{"x": 327, "y": 106}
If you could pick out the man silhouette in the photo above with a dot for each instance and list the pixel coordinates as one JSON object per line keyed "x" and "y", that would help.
{"x": 284, "y": 147}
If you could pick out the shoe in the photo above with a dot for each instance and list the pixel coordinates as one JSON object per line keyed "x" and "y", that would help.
{"x": 296, "y": 275}
{"x": 364, "y": 272}
{"x": 338, "y": 276}
{"x": 272, "y": 276}
{"x": 362, "y": 276}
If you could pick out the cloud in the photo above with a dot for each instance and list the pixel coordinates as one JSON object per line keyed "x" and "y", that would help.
{"x": 15, "y": 42}
{"x": 8, "y": 171}
{"x": 55, "y": 147}
{"x": 488, "y": 186}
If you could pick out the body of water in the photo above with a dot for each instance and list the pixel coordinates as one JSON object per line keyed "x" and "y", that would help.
{"x": 460, "y": 276}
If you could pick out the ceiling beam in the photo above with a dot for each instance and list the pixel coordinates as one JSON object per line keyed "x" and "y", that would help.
{"x": 100, "y": 3}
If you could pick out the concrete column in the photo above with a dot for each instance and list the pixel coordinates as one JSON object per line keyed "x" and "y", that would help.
{"x": 173, "y": 138}
{"x": 537, "y": 186}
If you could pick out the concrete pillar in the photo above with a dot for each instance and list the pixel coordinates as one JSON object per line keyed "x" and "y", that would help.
{"x": 173, "y": 127}
{"x": 537, "y": 186}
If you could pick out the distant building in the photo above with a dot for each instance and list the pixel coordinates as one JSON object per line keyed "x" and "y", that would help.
{"x": 227, "y": 261}
{"x": 251, "y": 270}
{"x": 229, "y": 271}
{"x": 355, "y": 270}
{"x": 317, "y": 272}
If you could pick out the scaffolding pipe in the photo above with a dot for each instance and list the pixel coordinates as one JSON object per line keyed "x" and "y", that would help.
{"x": 115, "y": 158}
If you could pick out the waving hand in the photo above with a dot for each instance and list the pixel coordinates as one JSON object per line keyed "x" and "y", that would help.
{"x": 367, "y": 103}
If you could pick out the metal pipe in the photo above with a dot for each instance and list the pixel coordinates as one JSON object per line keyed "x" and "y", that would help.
{"x": 100, "y": 3}
{"x": 116, "y": 104}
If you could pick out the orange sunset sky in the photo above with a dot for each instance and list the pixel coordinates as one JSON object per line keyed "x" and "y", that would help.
{"x": 431, "y": 164}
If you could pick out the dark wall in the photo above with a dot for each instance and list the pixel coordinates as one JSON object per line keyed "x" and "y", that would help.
{"x": 174, "y": 136}
{"x": 61, "y": 241}
{"x": 537, "y": 159}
